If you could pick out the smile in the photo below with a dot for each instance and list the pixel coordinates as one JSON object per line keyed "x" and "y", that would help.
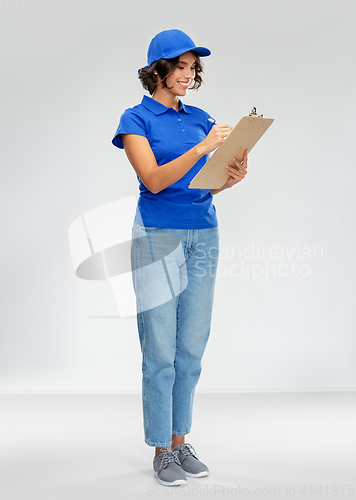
{"x": 185, "y": 85}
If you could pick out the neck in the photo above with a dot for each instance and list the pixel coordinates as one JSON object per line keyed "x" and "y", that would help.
{"x": 168, "y": 100}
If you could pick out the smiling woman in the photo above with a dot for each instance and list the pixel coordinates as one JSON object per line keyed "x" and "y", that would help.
{"x": 167, "y": 143}
{"x": 158, "y": 72}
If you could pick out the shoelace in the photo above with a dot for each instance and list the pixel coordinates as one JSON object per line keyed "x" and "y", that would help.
{"x": 187, "y": 449}
{"x": 167, "y": 457}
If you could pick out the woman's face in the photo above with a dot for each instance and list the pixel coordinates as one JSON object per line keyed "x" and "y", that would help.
{"x": 182, "y": 77}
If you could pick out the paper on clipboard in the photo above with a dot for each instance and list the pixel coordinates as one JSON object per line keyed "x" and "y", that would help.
{"x": 243, "y": 136}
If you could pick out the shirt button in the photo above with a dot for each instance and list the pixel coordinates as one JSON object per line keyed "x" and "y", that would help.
{"x": 183, "y": 129}
{"x": 179, "y": 119}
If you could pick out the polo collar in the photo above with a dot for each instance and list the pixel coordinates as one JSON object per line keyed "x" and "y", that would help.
{"x": 157, "y": 108}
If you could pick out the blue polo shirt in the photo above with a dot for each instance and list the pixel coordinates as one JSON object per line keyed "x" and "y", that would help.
{"x": 170, "y": 134}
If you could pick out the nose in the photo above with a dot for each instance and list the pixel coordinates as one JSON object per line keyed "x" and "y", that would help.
{"x": 190, "y": 73}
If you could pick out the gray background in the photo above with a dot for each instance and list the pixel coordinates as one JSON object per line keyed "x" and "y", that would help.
{"x": 69, "y": 69}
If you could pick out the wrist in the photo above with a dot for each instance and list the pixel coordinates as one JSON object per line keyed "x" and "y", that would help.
{"x": 199, "y": 149}
{"x": 216, "y": 191}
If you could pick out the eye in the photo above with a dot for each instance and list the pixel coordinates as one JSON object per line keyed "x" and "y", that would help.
{"x": 180, "y": 67}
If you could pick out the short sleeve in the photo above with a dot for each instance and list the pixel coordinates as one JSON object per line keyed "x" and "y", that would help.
{"x": 130, "y": 123}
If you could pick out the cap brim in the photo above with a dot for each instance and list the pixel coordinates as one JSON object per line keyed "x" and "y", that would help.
{"x": 201, "y": 51}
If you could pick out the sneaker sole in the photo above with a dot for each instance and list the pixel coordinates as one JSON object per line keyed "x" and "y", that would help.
{"x": 177, "y": 482}
{"x": 200, "y": 474}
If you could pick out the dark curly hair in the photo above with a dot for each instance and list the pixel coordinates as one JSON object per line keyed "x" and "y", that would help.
{"x": 164, "y": 67}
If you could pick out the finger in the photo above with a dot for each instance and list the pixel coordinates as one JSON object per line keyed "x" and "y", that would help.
{"x": 223, "y": 134}
{"x": 237, "y": 174}
{"x": 240, "y": 168}
{"x": 244, "y": 161}
{"x": 240, "y": 165}
{"x": 223, "y": 127}
{"x": 226, "y": 125}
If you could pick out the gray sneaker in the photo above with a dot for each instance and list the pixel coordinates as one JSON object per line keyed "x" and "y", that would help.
{"x": 190, "y": 463}
{"x": 167, "y": 469}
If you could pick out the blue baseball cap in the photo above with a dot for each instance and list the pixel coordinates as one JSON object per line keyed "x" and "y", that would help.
{"x": 171, "y": 43}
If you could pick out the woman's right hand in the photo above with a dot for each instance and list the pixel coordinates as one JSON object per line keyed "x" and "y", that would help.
{"x": 215, "y": 138}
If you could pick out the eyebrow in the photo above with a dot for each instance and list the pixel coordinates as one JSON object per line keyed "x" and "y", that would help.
{"x": 184, "y": 62}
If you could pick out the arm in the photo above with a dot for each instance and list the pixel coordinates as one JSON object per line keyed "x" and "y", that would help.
{"x": 156, "y": 178}
{"x": 216, "y": 191}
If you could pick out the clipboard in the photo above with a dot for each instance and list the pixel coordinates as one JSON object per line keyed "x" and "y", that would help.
{"x": 244, "y": 135}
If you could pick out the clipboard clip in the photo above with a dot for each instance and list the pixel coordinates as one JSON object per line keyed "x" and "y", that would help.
{"x": 253, "y": 113}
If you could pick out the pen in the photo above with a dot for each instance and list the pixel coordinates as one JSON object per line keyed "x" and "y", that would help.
{"x": 212, "y": 121}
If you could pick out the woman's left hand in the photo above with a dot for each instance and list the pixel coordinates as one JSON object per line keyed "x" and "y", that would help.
{"x": 236, "y": 173}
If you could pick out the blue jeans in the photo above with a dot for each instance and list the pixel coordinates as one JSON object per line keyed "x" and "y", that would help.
{"x": 174, "y": 277}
